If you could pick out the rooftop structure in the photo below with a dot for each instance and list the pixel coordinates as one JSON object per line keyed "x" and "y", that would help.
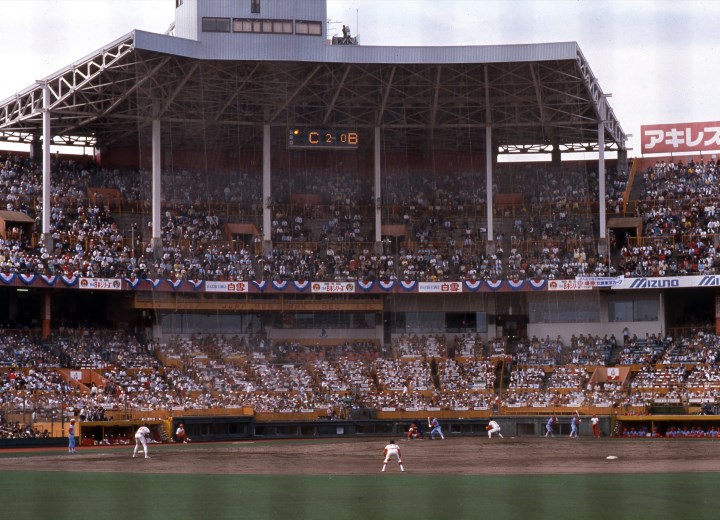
{"x": 226, "y": 69}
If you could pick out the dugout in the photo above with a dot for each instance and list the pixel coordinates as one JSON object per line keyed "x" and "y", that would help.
{"x": 204, "y": 429}
{"x": 243, "y": 427}
{"x": 661, "y": 423}
{"x": 34, "y": 442}
{"x": 118, "y": 432}
{"x": 515, "y": 426}
{"x": 214, "y": 428}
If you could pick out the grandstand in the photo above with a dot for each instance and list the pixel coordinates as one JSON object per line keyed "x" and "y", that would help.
{"x": 280, "y": 227}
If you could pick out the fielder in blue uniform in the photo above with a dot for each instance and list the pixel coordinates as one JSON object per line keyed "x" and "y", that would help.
{"x": 71, "y": 436}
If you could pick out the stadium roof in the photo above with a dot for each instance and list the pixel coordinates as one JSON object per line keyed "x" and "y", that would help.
{"x": 531, "y": 95}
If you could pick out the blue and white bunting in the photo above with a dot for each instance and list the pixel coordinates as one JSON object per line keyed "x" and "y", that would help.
{"x": 27, "y": 279}
{"x": 474, "y": 285}
{"x": 133, "y": 282}
{"x": 537, "y": 284}
{"x": 197, "y": 284}
{"x": 494, "y": 284}
{"x": 70, "y": 281}
{"x": 408, "y": 286}
{"x": 154, "y": 282}
{"x": 50, "y": 280}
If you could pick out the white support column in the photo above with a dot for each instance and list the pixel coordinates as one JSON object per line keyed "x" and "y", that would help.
{"x": 46, "y": 236}
{"x": 266, "y": 187}
{"x": 378, "y": 190}
{"x": 489, "y": 156}
{"x": 661, "y": 312}
{"x": 156, "y": 188}
{"x": 601, "y": 180}
{"x": 489, "y": 183}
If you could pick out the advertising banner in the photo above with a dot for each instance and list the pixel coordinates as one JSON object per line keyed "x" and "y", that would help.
{"x": 570, "y": 285}
{"x": 680, "y": 137}
{"x": 226, "y": 287}
{"x": 440, "y": 287}
{"x": 600, "y": 281}
{"x": 101, "y": 284}
{"x": 333, "y": 287}
{"x": 670, "y": 282}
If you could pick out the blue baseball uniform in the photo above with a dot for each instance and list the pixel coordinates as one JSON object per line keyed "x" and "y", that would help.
{"x": 575, "y": 427}
{"x": 435, "y": 425}
{"x": 71, "y": 437}
{"x": 549, "y": 427}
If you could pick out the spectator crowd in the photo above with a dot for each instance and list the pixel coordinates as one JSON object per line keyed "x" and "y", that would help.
{"x": 99, "y": 224}
{"x": 206, "y": 372}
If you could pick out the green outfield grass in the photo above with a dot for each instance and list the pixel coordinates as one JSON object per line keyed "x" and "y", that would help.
{"x": 60, "y": 495}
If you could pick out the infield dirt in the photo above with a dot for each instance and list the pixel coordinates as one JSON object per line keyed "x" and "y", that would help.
{"x": 457, "y": 456}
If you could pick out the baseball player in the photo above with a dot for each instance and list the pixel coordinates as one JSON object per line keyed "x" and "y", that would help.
{"x": 141, "y": 440}
{"x": 413, "y": 432}
{"x": 494, "y": 427}
{"x": 435, "y": 425}
{"x": 180, "y": 434}
{"x": 71, "y": 436}
{"x": 549, "y": 426}
{"x": 392, "y": 450}
{"x": 575, "y": 425}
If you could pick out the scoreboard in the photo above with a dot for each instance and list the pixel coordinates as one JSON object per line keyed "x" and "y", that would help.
{"x": 329, "y": 138}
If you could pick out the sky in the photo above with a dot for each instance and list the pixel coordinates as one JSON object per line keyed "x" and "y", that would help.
{"x": 656, "y": 57}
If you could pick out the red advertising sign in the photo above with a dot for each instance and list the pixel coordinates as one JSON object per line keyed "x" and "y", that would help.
{"x": 680, "y": 137}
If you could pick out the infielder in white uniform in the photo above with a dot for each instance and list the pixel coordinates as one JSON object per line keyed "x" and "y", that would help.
{"x": 141, "y": 440}
{"x": 494, "y": 427}
{"x": 392, "y": 450}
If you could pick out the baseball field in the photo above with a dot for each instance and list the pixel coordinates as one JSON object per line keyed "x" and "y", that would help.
{"x": 465, "y": 477}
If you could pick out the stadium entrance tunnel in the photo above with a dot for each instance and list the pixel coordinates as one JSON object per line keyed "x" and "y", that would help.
{"x": 685, "y": 302}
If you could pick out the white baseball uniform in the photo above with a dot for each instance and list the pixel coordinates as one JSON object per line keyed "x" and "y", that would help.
{"x": 140, "y": 440}
{"x": 392, "y": 450}
{"x": 494, "y": 428}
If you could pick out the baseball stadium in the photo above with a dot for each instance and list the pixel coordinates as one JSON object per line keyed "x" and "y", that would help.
{"x": 281, "y": 251}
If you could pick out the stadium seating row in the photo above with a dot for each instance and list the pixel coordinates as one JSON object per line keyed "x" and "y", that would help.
{"x": 88, "y": 372}
{"x": 99, "y": 225}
